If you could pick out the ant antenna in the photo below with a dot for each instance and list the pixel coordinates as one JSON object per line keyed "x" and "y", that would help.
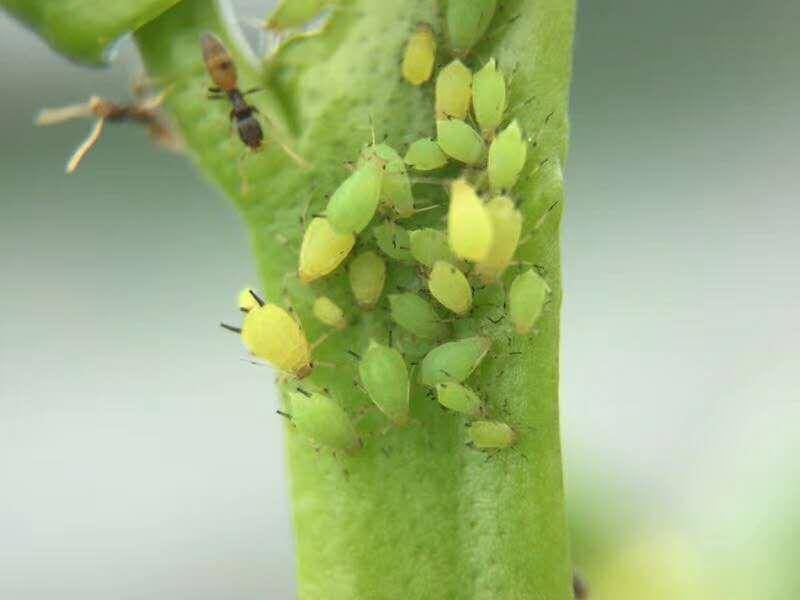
{"x": 231, "y": 328}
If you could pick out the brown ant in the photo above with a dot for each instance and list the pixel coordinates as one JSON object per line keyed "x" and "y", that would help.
{"x": 144, "y": 112}
{"x": 223, "y": 73}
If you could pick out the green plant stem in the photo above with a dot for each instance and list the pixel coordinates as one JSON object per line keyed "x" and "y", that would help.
{"x": 415, "y": 514}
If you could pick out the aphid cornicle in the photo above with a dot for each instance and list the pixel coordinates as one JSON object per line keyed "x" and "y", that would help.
{"x": 384, "y": 375}
{"x": 420, "y": 55}
{"x": 223, "y": 73}
{"x": 145, "y": 112}
{"x": 429, "y": 245}
{"x": 488, "y": 98}
{"x": 491, "y": 435}
{"x": 469, "y": 225}
{"x": 425, "y": 155}
{"x": 526, "y": 299}
{"x": 355, "y": 201}
{"x": 247, "y": 300}
{"x": 417, "y": 316}
{"x": 392, "y": 240}
{"x": 450, "y": 287}
{"x": 459, "y": 398}
{"x": 271, "y": 334}
{"x": 367, "y": 274}
{"x": 453, "y": 91}
{"x": 467, "y": 21}
{"x": 322, "y": 421}
{"x": 322, "y": 250}
{"x": 507, "y": 155}
{"x": 506, "y": 228}
{"x": 395, "y": 192}
{"x": 460, "y": 141}
{"x": 329, "y": 313}
{"x": 453, "y": 361}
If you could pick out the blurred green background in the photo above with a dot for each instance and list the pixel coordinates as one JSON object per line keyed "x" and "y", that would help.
{"x": 140, "y": 459}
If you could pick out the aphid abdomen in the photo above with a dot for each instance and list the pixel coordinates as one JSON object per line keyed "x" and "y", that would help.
{"x": 491, "y": 435}
{"x": 453, "y": 361}
{"x": 384, "y": 374}
{"x": 323, "y": 421}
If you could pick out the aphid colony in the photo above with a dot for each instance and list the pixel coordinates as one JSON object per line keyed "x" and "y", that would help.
{"x": 451, "y": 254}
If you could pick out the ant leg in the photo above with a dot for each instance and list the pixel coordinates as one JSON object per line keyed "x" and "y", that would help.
{"x": 82, "y": 150}
{"x": 253, "y": 91}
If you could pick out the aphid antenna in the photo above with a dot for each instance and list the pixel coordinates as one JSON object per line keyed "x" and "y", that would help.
{"x": 353, "y": 354}
{"x": 231, "y": 328}
{"x": 285, "y": 415}
{"x": 546, "y": 214}
{"x": 259, "y": 300}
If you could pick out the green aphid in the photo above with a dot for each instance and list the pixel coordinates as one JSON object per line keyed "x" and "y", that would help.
{"x": 450, "y": 287}
{"x": 367, "y": 274}
{"x": 507, "y": 156}
{"x": 396, "y": 186}
{"x": 467, "y": 21}
{"x": 429, "y": 245}
{"x": 393, "y": 240}
{"x": 425, "y": 155}
{"x": 460, "y": 141}
{"x": 453, "y": 91}
{"x": 459, "y": 398}
{"x": 355, "y": 201}
{"x": 323, "y": 421}
{"x": 526, "y": 299}
{"x": 291, "y": 14}
{"x": 417, "y": 316}
{"x": 384, "y": 375}
{"x": 489, "y": 98}
{"x": 453, "y": 361}
{"x": 491, "y": 435}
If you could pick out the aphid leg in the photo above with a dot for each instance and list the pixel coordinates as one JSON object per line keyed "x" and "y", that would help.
{"x": 320, "y": 340}
{"x": 87, "y": 144}
{"x": 252, "y": 90}
{"x": 53, "y": 116}
{"x": 245, "y": 186}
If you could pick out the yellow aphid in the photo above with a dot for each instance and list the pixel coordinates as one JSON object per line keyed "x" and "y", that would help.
{"x": 453, "y": 91}
{"x": 367, "y": 275}
{"x": 506, "y": 228}
{"x": 322, "y": 250}
{"x": 450, "y": 287}
{"x": 420, "y": 55}
{"x": 271, "y": 334}
{"x": 469, "y": 224}
{"x": 328, "y": 312}
{"x": 247, "y": 301}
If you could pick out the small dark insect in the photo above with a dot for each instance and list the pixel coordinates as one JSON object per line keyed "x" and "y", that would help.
{"x": 579, "y": 587}
{"x": 144, "y": 112}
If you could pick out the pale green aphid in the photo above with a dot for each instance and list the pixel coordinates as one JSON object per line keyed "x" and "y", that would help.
{"x": 429, "y": 245}
{"x": 460, "y": 141}
{"x": 507, "y": 156}
{"x": 323, "y": 421}
{"x": 291, "y": 14}
{"x": 355, "y": 201}
{"x": 507, "y": 228}
{"x": 489, "y": 98}
{"x": 469, "y": 225}
{"x": 395, "y": 186}
{"x": 450, "y": 287}
{"x": 419, "y": 55}
{"x": 384, "y": 375}
{"x": 526, "y": 298}
{"x": 367, "y": 273}
{"x": 393, "y": 240}
{"x": 329, "y": 313}
{"x": 453, "y": 361}
{"x": 459, "y": 398}
{"x": 425, "y": 155}
{"x": 467, "y": 21}
{"x": 322, "y": 250}
{"x": 491, "y": 435}
{"x": 453, "y": 91}
{"x": 417, "y": 316}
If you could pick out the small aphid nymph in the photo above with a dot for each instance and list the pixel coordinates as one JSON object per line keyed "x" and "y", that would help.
{"x": 450, "y": 287}
{"x": 329, "y": 313}
{"x": 355, "y": 201}
{"x": 453, "y": 361}
{"x": 467, "y": 21}
{"x": 429, "y": 245}
{"x": 453, "y": 91}
{"x": 320, "y": 419}
{"x": 526, "y": 299}
{"x": 420, "y": 55}
{"x": 425, "y": 155}
{"x": 460, "y": 141}
{"x": 367, "y": 274}
{"x": 459, "y": 398}
{"x": 491, "y": 435}
{"x": 469, "y": 224}
{"x": 507, "y": 155}
{"x": 322, "y": 250}
{"x": 417, "y": 316}
{"x": 384, "y": 375}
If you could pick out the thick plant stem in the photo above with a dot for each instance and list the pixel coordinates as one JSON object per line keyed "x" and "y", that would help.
{"x": 415, "y": 513}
